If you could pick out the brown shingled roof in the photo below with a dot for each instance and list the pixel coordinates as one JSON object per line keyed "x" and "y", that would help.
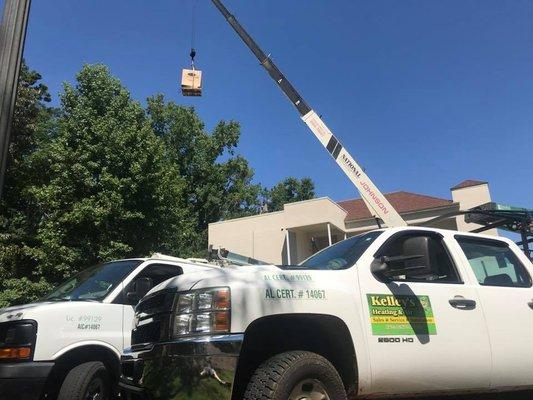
{"x": 403, "y": 202}
{"x": 468, "y": 183}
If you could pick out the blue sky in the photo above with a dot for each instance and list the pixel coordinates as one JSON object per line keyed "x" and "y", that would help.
{"x": 423, "y": 93}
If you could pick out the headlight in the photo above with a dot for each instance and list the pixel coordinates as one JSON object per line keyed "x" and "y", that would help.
{"x": 204, "y": 311}
{"x": 17, "y": 340}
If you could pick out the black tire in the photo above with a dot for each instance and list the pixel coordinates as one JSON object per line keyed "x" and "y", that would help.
{"x": 89, "y": 380}
{"x": 277, "y": 377}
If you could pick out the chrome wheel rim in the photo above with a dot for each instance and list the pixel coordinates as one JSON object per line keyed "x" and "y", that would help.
{"x": 309, "y": 389}
{"x": 95, "y": 391}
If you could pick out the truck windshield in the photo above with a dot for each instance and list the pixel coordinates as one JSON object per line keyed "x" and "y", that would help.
{"x": 94, "y": 283}
{"x": 341, "y": 255}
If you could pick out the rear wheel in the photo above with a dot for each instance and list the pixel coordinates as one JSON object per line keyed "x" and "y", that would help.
{"x": 295, "y": 375}
{"x": 87, "y": 381}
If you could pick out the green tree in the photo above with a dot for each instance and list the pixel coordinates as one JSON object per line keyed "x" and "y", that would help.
{"x": 18, "y": 214}
{"x": 111, "y": 192}
{"x": 289, "y": 190}
{"x": 218, "y": 182}
{"x": 101, "y": 178}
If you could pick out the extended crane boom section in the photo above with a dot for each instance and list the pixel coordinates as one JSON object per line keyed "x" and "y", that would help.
{"x": 265, "y": 61}
{"x": 377, "y": 203}
{"x": 375, "y": 200}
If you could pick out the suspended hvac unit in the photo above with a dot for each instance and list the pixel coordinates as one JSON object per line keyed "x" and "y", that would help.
{"x": 191, "y": 82}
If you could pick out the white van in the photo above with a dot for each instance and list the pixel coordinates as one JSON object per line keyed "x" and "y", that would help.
{"x": 72, "y": 340}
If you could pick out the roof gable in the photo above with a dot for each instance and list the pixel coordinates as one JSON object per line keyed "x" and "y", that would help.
{"x": 468, "y": 183}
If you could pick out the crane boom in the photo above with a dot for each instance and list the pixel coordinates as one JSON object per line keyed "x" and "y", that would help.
{"x": 378, "y": 205}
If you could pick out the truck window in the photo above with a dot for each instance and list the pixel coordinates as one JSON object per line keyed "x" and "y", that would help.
{"x": 444, "y": 270}
{"x": 157, "y": 273}
{"x": 341, "y": 255}
{"x": 93, "y": 283}
{"x": 494, "y": 263}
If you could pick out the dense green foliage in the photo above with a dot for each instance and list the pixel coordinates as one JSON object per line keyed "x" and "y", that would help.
{"x": 288, "y": 191}
{"x": 214, "y": 189}
{"x": 19, "y": 215}
{"x": 102, "y": 177}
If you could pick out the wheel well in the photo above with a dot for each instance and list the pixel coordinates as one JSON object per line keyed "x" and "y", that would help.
{"x": 77, "y": 356}
{"x": 326, "y": 335}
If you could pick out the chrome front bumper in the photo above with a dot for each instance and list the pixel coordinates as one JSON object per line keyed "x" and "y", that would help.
{"x": 185, "y": 369}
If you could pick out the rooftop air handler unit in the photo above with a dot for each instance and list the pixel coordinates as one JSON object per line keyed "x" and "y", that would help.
{"x": 191, "y": 82}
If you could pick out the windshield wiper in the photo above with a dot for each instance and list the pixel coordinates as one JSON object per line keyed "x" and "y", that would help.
{"x": 70, "y": 299}
{"x": 91, "y": 300}
{"x": 58, "y": 299}
{"x": 293, "y": 266}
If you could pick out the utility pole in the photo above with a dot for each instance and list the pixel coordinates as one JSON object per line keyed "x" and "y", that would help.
{"x": 12, "y": 35}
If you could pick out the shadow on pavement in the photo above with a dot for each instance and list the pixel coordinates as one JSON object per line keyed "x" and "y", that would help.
{"x": 499, "y": 396}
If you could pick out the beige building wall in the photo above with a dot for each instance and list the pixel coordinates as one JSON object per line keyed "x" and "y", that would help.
{"x": 263, "y": 237}
{"x": 469, "y": 197}
{"x": 241, "y": 235}
{"x": 312, "y": 212}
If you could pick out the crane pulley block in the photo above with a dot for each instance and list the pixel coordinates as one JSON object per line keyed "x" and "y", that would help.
{"x": 191, "y": 82}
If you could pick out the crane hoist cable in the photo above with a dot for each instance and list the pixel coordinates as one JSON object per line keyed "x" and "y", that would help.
{"x": 191, "y": 79}
{"x": 192, "y": 54}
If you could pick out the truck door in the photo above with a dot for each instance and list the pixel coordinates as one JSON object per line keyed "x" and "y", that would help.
{"x": 504, "y": 286}
{"x": 424, "y": 333}
{"x": 155, "y": 273}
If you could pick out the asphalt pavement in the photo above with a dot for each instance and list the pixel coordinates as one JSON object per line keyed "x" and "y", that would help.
{"x": 500, "y": 396}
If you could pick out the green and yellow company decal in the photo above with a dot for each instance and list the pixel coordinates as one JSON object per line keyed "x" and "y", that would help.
{"x": 401, "y": 315}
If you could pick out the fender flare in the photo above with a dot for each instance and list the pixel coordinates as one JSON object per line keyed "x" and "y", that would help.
{"x": 83, "y": 343}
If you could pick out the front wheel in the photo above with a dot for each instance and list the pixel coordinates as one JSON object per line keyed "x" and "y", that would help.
{"x": 295, "y": 375}
{"x": 87, "y": 381}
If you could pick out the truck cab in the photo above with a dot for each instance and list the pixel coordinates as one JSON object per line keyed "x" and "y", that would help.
{"x": 392, "y": 312}
{"x": 68, "y": 345}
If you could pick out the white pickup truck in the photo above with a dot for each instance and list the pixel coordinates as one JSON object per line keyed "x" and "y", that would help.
{"x": 69, "y": 344}
{"x": 394, "y": 312}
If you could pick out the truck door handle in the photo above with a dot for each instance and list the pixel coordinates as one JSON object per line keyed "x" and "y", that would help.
{"x": 461, "y": 303}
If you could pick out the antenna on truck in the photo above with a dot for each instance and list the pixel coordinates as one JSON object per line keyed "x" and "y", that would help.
{"x": 378, "y": 205}
{"x": 225, "y": 257}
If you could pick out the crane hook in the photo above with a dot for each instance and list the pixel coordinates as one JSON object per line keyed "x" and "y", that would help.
{"x": 192, "y": 54}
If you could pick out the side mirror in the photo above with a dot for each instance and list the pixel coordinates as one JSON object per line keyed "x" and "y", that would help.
{"x": 140, "y": 287}
{"x": 414, "y": 261}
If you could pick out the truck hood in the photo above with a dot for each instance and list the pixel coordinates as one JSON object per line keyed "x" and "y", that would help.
{"x": 19, "y": 312}
{"x": 222, "y": 276}
{"x": 260, "y": 291}
{"x": 33, "y": 310}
